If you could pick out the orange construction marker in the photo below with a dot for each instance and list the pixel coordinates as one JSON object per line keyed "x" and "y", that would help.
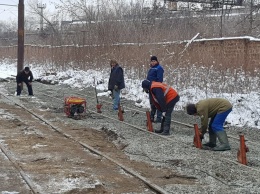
{"x": 99, "y": 108}
{"x": 120, "y": 113}
{"x": 241, "y": 154}
{"x": 196, "y": 140}
{"x": 149, "y": 123}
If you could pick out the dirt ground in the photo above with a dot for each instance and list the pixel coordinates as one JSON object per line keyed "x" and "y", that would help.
{"x": 56, "y": 164}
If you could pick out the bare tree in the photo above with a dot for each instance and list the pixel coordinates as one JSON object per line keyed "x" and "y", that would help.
{"x": 34, "y": 10}
{"x": 8, "y": 33}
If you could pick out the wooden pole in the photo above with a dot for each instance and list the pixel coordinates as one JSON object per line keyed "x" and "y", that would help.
{"x": 20, "y": 51}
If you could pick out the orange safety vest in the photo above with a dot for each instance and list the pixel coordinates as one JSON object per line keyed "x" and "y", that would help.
{"x": 169, "y": 92}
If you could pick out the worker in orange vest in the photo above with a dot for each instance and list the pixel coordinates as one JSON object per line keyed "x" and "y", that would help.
{"x": 164, "y": 98}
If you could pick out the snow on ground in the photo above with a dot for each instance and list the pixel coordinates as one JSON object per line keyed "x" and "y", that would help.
{"x": 246, "y": 107}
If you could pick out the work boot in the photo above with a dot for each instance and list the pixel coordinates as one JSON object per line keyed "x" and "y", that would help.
{"x": 162, "y": 126}
{"x": 212, "y": 140}
{"x": 159, "y": 131}
{"x": 209, "y": 144}
{"x": 166, "y": 130}
{"x": 223, "y": 139}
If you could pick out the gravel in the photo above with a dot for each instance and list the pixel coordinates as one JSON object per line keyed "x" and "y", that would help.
{"x": 214, "y": 171}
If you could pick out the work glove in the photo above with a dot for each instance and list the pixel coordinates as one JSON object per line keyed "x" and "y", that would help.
{"x": 146, "y": 90}
{"x": 163, "y": 114}
{"x": 110, "y": 92}
{"x": 116, "y": 87}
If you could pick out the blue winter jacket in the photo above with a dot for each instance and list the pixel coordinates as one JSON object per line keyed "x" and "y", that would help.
{"x": 155, "y": 73}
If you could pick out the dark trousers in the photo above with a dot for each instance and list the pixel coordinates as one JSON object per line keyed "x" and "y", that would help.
{"x": 170, "y": 107}
{"x": 19, "y": 89}
{"x": 154, "y": 110}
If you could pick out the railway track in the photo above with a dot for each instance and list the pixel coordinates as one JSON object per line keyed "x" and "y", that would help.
{"x": 134, "y": 173}
{"x": 173, "y": 121}
{"x": 141, "y": 126}
{"x": 139, "y": 110}
{"x": 26, "y": 179}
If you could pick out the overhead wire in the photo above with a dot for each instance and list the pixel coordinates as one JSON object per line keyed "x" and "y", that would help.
{"x": 8, "y": 10}
{"x": 8, "y": 5}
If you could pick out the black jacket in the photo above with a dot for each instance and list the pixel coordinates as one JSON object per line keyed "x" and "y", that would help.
{"x": 23, "y": 77}
{"x": 116, "y": 78}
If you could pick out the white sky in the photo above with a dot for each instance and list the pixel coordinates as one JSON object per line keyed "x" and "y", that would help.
{"x": 246, "y": 107}
{"x": 8, "y": 13}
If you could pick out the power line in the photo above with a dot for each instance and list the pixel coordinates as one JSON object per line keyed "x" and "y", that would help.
{"x": 7, "y": 10}
{"x": 9, "y": 5}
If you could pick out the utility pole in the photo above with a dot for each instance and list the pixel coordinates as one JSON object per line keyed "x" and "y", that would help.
{"x": 221, "y": 20}
{"x": 84, "y": 37}
{"x": 20, "y": 48}
{"x": 251, "y": 17}
{"x": 41, "y": 6}
{"x": 98, "y": 10}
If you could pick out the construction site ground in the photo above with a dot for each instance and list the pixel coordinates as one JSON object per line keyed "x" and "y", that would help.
{"x": 56, "y": 164}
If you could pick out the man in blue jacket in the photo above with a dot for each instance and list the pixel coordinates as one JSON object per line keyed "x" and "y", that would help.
{"x": 116, "y": 82}
{"x": 155, "y": 73}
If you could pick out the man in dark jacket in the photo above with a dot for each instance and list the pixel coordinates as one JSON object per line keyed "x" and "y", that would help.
{"x": 164, "y": 99}
{"x": 116, "y": 82}
{"x": 155, "y": 73}
{"x": 217, "y": 109}
{"x": 25, "y": 76}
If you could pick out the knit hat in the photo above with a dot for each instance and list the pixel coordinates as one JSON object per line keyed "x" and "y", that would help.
{"x": 154, "y": 58}
{"x": 113, "y": 62}
{"x": 191, "y": 109}
{"x": 27, "y": 69}
{"x": 146, "y": 84}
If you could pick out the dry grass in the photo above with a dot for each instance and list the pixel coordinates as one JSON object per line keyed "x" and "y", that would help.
{"x": 217, "y": 66}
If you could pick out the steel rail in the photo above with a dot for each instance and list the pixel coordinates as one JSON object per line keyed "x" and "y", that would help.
{"x": 19, "y": 169}
{"x": 163, "y": 137}
{"x": 99, "y": 153}
{"x": 134, "y": 126}
{"x": 177, "y": 122}
{"x": 153, "y": 186}
{"x": 184, "y": 124}
{"x": 170, "y": 139}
